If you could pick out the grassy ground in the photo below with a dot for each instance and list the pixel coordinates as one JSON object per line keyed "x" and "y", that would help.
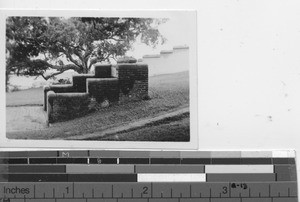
{"x": 171, "y": 129}
{"x": 27, "y": 97}
{"x": 167, "y": 92}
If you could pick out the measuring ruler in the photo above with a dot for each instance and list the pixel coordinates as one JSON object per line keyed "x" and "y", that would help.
{"x": 147, "y": 176}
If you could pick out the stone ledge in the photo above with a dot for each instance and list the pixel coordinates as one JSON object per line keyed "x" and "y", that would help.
{"x": 151, "y": 56}
{"x": 67, "y": 95}
{"x": 166, "y": 52}
{"x": 180, "y": 47}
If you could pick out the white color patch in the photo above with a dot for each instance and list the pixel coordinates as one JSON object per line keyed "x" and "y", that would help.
{"x": 182, "y": 177}
{"x": 284, "y": 154}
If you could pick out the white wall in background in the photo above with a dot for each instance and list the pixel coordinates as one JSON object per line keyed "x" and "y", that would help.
{"x": 168, "y": 61}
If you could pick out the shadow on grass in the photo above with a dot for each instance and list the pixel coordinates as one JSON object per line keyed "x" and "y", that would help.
{"x": 171, "y": 129}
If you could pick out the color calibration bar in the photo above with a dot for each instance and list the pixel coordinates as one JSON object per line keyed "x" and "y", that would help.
{"x": 147, "y": 176}
{"x": 141, "y": 166}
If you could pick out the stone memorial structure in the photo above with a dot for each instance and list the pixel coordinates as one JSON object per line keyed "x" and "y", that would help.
{"x": 63, "y": 102}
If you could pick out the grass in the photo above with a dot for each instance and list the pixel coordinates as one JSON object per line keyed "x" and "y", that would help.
{"x": 168, "y": 93}
{"x": 173, "y": 129}
{"x": 28, "y": 97}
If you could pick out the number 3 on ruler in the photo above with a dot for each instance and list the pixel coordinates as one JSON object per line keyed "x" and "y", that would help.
{"x": 225, "y": 190}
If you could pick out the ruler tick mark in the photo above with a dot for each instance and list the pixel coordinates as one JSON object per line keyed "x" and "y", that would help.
{"x": 151, "y": 189}
{"x": 73, "y": 188}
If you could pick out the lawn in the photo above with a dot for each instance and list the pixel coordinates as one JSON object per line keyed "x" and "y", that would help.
{"x": 168, "y": 93}
{"x": 28, "y": 97}
{"x": 173, "y": 129}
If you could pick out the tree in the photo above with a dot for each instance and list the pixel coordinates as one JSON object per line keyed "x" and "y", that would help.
{"x": 37, "y": 44}
{"x": 23, "y": 39}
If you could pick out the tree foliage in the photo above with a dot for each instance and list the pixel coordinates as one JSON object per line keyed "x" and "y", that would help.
{"x": 37, "y": 44}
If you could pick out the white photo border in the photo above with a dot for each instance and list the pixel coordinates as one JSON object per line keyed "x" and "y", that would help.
{"x": 69, "y": 144}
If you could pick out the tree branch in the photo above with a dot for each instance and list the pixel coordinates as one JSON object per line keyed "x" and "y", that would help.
{"x": 118, "y": 40}
{"x": 65, "y": 67}
{"x": 69, "y": 56}
{"x": 39, "y": 67}
{"x": 44, "y": 77}
{"x": 61, "y": 70}
{"x": 93, "y": 61}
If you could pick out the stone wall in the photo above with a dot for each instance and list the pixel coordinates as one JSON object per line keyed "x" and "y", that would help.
{"x": 103, "y": 89}
{"x": 65, "y": 106}
{"x": 103, "y": 71}
{"x": 64, "y": 102}
{"x": 79, "y": 82}
{"x": 133, "y": 81}
{"x": 65, "y": 88}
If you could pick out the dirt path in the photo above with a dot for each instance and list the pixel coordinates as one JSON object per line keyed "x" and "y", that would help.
{"x": 25, "y": 118}
{"x": 131, "y": 126}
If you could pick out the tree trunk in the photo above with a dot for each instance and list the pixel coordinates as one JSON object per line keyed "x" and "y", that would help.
{"x": 6, "y": 82}
{"x": 85, "y": 66}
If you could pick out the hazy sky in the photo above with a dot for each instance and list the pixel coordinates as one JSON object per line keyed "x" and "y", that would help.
{"x": 175, "y": 30}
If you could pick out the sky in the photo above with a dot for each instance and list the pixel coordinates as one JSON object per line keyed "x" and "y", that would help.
{"x": 174, "y": 30}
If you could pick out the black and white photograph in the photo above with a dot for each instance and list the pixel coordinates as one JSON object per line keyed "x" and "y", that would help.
{"x": 101, "y": 77}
